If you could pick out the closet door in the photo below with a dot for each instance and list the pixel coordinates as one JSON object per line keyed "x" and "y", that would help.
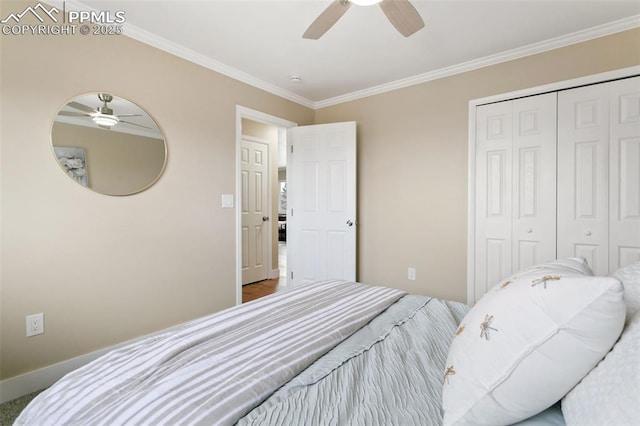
{"x": 534, "y": 173}
{"x": 494, "y": 148}
{"x": 624, "y": 185}
{"x": 515, "y": 187}
{"x": 583, "y": 175}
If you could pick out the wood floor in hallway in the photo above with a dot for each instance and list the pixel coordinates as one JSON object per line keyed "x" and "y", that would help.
{"x": 260, "y": 289}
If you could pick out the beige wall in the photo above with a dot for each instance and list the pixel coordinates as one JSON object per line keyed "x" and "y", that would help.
{"x": 106, "y": 269}
{"x": 412, "y": 162}
{"x": 268, "y": 133}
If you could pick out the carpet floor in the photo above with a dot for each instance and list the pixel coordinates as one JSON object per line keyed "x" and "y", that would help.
{"x": 9, "y": 411}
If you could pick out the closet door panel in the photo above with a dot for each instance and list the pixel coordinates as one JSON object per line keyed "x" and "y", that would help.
{"x": 534, "y": 173}
{"x": 624, "y": 220}
{"x": 583, "y": 181}
{"x": 493, "y": 195}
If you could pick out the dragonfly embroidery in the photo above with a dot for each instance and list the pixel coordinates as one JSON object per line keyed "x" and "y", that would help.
{"x": 448, "y": 372}
{"x": 544, "y": 280}
{"x": 485, "y": 326}
{"x": 460, "y": 330}
{"x": 506, "y": 283}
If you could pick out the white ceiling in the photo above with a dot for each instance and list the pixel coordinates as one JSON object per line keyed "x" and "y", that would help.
{"x": 260, "y": 41}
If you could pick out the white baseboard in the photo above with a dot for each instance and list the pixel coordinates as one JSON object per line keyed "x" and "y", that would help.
{"x": 24, "y": 384}
{"x": 18, "y": 386}
{"x": 32, "y": 381}
{"x": 275, "y": 273}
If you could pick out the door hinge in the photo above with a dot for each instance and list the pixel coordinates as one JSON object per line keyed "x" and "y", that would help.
{"x": 292, "y": 149}
{"x": 292, "y": 212}
{"x": 291, "y": 274}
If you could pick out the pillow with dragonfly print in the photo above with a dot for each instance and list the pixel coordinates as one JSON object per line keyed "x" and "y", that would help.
{"x": 528, "y": 341}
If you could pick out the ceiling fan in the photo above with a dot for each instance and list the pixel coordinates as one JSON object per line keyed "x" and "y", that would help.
{"x": 103, "y": 115}
{"x": 402, "y": 15}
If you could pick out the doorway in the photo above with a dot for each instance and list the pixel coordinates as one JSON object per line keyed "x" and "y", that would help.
{"x": 271, "y": 130}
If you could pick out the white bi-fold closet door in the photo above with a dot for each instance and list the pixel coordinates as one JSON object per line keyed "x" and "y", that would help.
{"x": 515, "y": 187}
{"x": 599, "y": 174}
{"x": 557, "y": 175}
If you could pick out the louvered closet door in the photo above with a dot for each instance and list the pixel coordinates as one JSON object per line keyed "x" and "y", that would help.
{"x": 583, "y": 175}
{"x": 515, "y": 187}
{"x": 624, "y": 185}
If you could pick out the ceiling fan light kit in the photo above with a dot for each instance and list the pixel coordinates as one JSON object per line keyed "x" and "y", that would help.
{"x": 365, "y": 2}
{"x": 103, "y": 115}
{"x": 105, "y": 119}
{"x": 402, "y": 15}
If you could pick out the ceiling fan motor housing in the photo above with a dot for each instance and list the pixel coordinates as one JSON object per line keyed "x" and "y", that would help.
{"x": 105, "y": 110}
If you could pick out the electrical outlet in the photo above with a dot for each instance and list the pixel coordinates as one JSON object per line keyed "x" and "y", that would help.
{"x": 35, "y": 324}
{"x": 411, "y": 274}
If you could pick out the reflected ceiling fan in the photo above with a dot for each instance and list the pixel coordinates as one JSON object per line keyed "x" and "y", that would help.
{"x": 103, "y": 116}
{"x": 402, "y": 15}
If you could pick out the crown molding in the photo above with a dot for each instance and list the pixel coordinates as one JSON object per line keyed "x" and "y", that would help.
{"x": 219, "y": 67}
{"x": 531, "y": 49}
{"x": 177, "y": 50}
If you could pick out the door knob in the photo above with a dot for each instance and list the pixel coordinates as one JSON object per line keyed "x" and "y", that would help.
{"x": 529, "y": 231}
{"x": 265, "y": 218}
{"x": 587, "y": 233}
{"x": 349, "y": 222}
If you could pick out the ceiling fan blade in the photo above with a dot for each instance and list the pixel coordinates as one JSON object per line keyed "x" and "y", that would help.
{"x": 73, "y": 114}
{"x": 80, "y": 106}
{"x": 136, "y": 124}
{"x": 403, "y": 16}
{"x": 129, "y": 115}
{"x": 326, "y": 19}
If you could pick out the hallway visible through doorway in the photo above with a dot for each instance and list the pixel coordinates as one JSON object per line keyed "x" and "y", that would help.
{"x": 264, "y": 288}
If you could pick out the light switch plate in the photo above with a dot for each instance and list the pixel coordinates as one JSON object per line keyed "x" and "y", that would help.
{"x": 227, "y": 201}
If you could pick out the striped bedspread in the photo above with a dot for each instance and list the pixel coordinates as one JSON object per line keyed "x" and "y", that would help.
{"x": 387, "y": 373}
{"x": 216, "y": 369}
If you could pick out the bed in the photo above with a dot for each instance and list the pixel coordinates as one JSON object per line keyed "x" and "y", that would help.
{"x": 343, "y": 353}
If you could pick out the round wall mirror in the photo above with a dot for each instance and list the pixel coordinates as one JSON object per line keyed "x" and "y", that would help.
{"x": 108, "y": 144}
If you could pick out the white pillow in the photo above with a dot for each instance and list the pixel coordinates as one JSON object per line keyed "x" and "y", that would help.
{"x": 528, "y": 341}
{"x": 630, "y": 277}
{"x": 578, "y": 265}
{"x": 610, "y": 393}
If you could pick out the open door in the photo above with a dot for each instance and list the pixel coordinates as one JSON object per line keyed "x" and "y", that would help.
{"x": 321, "y": 198}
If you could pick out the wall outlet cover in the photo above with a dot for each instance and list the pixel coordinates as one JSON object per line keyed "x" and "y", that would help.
{"x": 35, "y": 324}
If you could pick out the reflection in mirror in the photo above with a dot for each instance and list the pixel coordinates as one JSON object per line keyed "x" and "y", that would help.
{"x": 108, "y": 144}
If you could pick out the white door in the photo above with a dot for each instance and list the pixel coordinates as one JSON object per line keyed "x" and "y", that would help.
{"x": 321, "y": 197}
{"x": 583, "y": 175}
{"x": 254, "y": 158}
{"x": 515, "y": 187}
{"x": 534, "y": 172}
{"x": 494, "y": 187}
{"x": 624, "y": 185}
